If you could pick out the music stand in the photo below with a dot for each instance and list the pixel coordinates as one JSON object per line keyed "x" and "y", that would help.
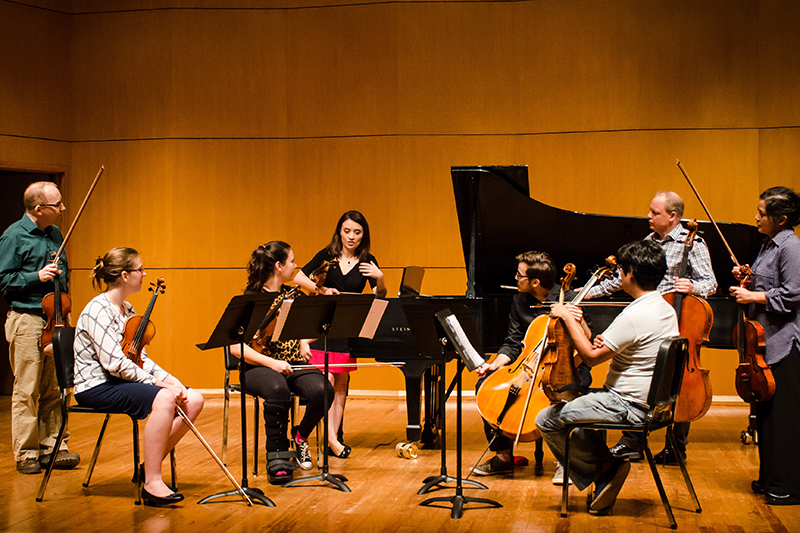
{"x": 240, "y": 321}
{"x": 337, "y": 316}
{"x": 432, "y": 340}
{"x": 453, "y": 333}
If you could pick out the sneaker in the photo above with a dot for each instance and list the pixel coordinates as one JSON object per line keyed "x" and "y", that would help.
{"x": 64, "y": 460}
{"x": 303, "y": 454}
{"x": 607, "y": 487}
{"x": 494, "y": 466}
{"x": 29, "y": 466}
{"x": 558, "y": 477}
{"x": 621, "y": 451}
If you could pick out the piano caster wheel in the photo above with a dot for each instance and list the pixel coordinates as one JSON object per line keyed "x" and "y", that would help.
{"x": 407, "y": 450}
{"x": 747, "y": 437}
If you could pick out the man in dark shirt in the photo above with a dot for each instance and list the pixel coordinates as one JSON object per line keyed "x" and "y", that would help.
{"x": 536, "y": 276}
{"x": 27, "y": 273}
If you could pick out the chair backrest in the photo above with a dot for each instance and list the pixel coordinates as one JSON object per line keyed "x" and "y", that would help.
{"x": 667, "y": 377}
{"x": 231, "y": 361}
{"x": 64, "y": 356}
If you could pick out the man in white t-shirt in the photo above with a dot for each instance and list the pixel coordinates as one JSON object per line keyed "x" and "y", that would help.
{"x": 631, "y": 343}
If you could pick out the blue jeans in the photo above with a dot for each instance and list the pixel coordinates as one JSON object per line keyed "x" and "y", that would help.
{"x": 588, "y": 449}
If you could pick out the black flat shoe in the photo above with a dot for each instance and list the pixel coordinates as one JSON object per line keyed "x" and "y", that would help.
{"x": 757, "y": 487}
{"x": 157, "y": 501}
{"x": 779, "y": 499}
{"x": 345, "y": 452}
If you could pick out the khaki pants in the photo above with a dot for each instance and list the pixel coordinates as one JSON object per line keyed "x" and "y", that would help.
{"x": 36, "y": 400}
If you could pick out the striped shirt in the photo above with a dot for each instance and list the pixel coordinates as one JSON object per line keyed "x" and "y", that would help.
{"x": 698, "y": 270}
{"x": 98, "y": 354}
{"x": 776, "y": 273}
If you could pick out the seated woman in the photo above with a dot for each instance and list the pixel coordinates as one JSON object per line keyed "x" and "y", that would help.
{"x": 270, "y": 374}
{"x": 106, "y": 379}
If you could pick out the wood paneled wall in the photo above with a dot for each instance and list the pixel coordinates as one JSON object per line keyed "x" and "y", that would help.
{"x": 223, "y": 125}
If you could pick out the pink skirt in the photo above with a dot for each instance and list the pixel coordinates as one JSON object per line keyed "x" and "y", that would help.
{"x": 334, "y": 358}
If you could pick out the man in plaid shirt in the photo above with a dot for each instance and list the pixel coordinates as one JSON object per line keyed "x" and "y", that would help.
{"x": 664, "y": 217}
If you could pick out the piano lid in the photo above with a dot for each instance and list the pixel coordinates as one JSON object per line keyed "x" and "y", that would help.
{"x": 499, "y": 220}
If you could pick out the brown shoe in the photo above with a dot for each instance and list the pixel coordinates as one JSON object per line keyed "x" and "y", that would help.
{"x": 29, "y": 466}
{"x": 64, "y": 460}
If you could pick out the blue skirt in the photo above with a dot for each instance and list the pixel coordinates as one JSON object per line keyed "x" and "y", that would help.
{"x": 119, "y": 396}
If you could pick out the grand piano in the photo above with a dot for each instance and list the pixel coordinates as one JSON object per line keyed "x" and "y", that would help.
{"x": 498, "y": 220}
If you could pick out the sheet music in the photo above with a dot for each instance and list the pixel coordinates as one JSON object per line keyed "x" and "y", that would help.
{"x": 373, "y": 318}
{"x": 469, "y": 355}
{"x": 282, "y": 314}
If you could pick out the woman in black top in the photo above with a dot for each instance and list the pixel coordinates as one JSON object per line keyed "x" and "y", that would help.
{"x": 270, "y": 374}
{"x": 356, "y": 266}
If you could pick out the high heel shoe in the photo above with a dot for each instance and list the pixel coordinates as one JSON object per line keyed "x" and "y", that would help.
{"x": 345, "y": 452}
{"x": 158, "y": 501}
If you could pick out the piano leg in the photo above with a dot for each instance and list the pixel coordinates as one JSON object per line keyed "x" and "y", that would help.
{"x": 430, "y": 430}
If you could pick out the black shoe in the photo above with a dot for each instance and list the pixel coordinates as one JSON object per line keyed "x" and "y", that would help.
{"x": 157, "y": 501}
{"x": 667, "y": 457}
{"x": 345, "y": 452}
{"x": 757, "y": 487}
{"x": 608, "y": 486}
{"x": 778, "y": 499}
{"x": 620, "y": 451}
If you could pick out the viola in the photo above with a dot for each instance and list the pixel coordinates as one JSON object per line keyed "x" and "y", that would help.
{"x": 695, "y": 319}
{"x": 754, "y": 379}
{"x": 321, "y": 272}
{"x": 139, "y": 330}
{"x": 57, "y": 305}
{"x": 511, "y": 397}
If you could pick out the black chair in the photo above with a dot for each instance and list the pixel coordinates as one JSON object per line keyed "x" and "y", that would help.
{"x": 64, "y": 355}
{"x": 664, "y": 389}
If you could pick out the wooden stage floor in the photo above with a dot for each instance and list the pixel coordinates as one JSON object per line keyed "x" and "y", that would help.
{"x": 384, "y": 486}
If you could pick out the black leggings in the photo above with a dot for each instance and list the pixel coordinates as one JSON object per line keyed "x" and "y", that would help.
{"x": 275, "y": 389}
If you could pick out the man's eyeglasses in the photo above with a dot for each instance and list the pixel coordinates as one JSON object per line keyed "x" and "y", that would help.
{"x": 55, "y": 206}
{"x": 519, "y": 276}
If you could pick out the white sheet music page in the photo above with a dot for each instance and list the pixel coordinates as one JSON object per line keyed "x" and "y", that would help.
{"x": 373, "y": 318}
{"x": 468, "y": 353}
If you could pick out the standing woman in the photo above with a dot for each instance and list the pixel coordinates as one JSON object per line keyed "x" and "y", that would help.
{"x": 270, "y": 375}
{"x": 106, "y": 379}
{"x": 774, "y": 299}
{"x": 350, "y": 247}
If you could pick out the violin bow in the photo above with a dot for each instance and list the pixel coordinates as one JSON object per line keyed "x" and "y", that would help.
{"x": 78, "y": 215}
{"x": 685, "y": 175}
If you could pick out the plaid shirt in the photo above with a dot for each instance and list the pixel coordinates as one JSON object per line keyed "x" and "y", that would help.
{"x": 98, "y": 354}
{"x": 698, "y": 270}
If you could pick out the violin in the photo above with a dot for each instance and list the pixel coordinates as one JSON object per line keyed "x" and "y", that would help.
{"x": 261, "y": 339}
{"x": 139, "y": 330}
{"x": 511, "y": 397}
{"x": 754, "y": 379}
{"x": 695, "y": 319}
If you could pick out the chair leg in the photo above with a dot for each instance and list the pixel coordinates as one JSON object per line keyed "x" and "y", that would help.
{"x": 255, "y": 436}
{"x": 565, "y": 484}
{"x": 682, "y": 464}
{"x": 659, "y": 484}
{"x": 139, "y": 480}
{"x": 225, "y": 402}
{"x": 59, "y": 440}
{"x": 173, "y": 470}
{"x": 96, "y": 453}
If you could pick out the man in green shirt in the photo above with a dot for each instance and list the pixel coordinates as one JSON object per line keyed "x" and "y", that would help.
{"x": 27, "y": 273}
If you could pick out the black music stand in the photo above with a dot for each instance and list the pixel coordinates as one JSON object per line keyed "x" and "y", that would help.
{"x": 452, "y": 333}
{"x": 338, "y": 316}
{"x": 240, "y": 321}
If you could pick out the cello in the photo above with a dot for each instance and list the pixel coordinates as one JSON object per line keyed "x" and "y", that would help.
{"x": 509, "y": 395}
{"x": 139, "y": 331}
{"x": 695, "y": 319}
